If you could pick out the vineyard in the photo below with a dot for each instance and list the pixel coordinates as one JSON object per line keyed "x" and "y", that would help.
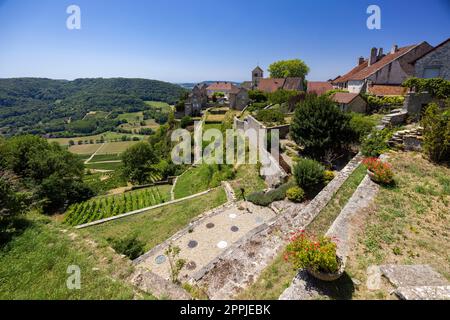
{"x": 104, "y": 207}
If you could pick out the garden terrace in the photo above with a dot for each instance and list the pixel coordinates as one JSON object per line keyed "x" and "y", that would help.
{"x": 156, "y": 225}
{"x": 108, "y": 206}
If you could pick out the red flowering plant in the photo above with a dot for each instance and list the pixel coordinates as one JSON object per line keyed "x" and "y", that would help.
{"x": 316, "y": 254}
{"x": 381, "y": 171}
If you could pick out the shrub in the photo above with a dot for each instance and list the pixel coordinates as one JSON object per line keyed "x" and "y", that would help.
{"x": 382, "y": 171}
{"x": 328, "y": 175}
{"x": 266, "y": 198}
{"x": 257, "y": 96}
{"x": 437, "y": 87}
{"x": 315, "y": 254}
{"x": 308, "y": 173}
{"x": 436, "y": 133}
{"x": 319, "y": 126}
{"x": 186, "y": 121}
{"x": 270, "y": 116}
{"x": 361, "y": 125}
{"x": 376, "y": 143}
{"x": 295, "y": 194}
{"x": 129, "y": 246}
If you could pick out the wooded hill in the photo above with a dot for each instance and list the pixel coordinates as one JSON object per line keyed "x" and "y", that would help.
{"x": 39, "y": 106}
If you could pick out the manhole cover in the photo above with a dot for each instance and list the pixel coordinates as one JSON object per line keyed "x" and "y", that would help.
{"x": 192, "y": 244}
{"x": 259, "y": 220}
{"x": 210, "y": 225}
{"x": 234, "y": 229}
{"x": 232, "y": 215}
{"x": 160, "y": 259}
{"x": 222, "y": 244}
{"x": 191, "y": 265}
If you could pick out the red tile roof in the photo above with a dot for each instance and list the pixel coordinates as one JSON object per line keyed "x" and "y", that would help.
{"x": 349, "y": 74}
{"x": 344, "y": 97}
{"x": 387, "y": 90}
{"x": 270, "y": 84}
{"x": 318, "y": 87}
{"x": 218, "y": 86}
{"x": 293, "y": 84}
{"x": 390, "y": 57}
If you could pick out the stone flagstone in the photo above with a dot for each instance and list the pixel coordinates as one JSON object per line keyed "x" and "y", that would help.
{"x": 424, "y": 293}
{"x": 413, "y": 275}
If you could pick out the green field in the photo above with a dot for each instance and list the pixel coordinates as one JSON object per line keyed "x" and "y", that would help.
{"x": 105, "y": 157}
{"x": 33, "y": 265}
{"x": 108, "y": 206}
{"x": 107, "y": 136}
{"x": 104, "y": 165}
{"x": 157, "y": 225}
{"x": 158, "y": 104}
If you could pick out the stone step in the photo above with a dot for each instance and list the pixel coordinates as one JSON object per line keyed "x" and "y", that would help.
{"x": 413, "y": 275}
{"x": 424, "y": 293}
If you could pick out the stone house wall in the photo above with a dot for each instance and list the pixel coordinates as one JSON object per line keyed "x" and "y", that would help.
{"x": 440, "y": 58}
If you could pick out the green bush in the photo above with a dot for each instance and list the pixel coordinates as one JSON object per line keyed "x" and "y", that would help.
{"x": 308, "y": 173}
{"x": 266, "y": 198}
{"x": 361, "y": 125}
{"x": 270, "y": 116}
{"x": 328, "y": 176}
{"x": 186, "y": 121}
{"x": 376, "y": 143}
{"x": 436, "y": 133}
{"x": 129, "y": 246}
{"x": 295, "y": 194}
{"x": 319, "y": 126}
{"x": 437, "y": 87}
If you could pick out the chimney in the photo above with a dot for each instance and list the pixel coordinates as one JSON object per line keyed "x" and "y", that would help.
{"x": 380, "y": 54}
{"x": 394, "y": 48}
{"x": 373, "y": 56}
{"x": 360, "y": 61}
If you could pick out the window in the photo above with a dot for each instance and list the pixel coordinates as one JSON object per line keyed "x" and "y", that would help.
{"x": 431, "y": 72}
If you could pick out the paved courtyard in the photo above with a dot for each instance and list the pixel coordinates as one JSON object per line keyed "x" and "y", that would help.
{"x": 208, "y": 238}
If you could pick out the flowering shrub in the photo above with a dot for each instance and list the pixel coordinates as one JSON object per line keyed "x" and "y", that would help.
{"x": 315, "y": 254}
{"x": 382, "y": 171}
{"x": 295, "y": 194}
{"x": 328, "y": 175}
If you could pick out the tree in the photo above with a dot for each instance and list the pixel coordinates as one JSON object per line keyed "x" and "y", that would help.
{"x": 281, "y": 96}
{"x": 52, "y": 173}
{"x": 138, "y": 163}
{"x": 257, "y": 96}
{"x": 186, "y": 121}
{"x": 288, "y": 68}
{"x": 436, "y": 133}
{"x": 320, "y": 127}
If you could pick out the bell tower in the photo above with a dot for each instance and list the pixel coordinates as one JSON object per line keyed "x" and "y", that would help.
{"x": 257, "y": 75}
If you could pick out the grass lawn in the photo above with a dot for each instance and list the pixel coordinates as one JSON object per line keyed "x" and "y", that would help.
{"x": 132, "y": 116}
{"x": 408, "y": 223}
{"x": 116, "y": 147}
{"x": 33, "y": 265}
{"x": 157, "y": 225}
{"x": 165, "y": 107}
{"x": 105, "y": 157}
{"x": 104, "y": 165}
{"x": 247, "y": 177}
{"x": 278, "y": 275}
{"x": 84, "y": 149}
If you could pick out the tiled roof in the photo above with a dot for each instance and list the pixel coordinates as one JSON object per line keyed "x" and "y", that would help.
{"x": 217, "y": 86}
{"x": 386, "y": 90}
{"x": 293, "y": 84}
{"x": 236, "y": 90}
{"x": 271, "y": 84}
{"x": 247, "y": 85}
{"x": 349, "y": 74}
{"x": 344, "y": 97}
{"x": 367, "y": 72}
{"x": 318, "y": 87}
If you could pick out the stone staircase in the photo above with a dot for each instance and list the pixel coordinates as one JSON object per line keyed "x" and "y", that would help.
{"x": 395, "y": 117}
{"x": 409, "y": 140}
{"x": 417, "y": 282}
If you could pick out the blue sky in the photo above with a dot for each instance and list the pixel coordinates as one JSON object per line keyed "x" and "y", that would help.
{"x": 195, "y": 40}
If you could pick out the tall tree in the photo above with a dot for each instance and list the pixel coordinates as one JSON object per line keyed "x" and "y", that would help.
{"x": 288, "y": 68}
{"x": 139, "y": 163}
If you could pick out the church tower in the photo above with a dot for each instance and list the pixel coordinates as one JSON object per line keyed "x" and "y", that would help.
{"x": 257, "y": 74}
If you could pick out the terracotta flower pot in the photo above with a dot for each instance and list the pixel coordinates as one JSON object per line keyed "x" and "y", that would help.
{"x": 327, "y": 276}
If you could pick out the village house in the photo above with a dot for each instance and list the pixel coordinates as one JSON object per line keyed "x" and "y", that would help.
{"x": 382, "y": 70}
{"x": 238, "y": 98}
{"x": 351, "y": 102}
{"x": 270, "y": 85}
{"x": 434, "y": 63}
{"x": 220, "y": 86}
{"x": 318, "y": 87}
{"x": 196, "y": 100}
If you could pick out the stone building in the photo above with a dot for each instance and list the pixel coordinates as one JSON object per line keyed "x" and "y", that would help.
{"x": 220, "y": 86}
{"x": 270, "y": 85}
{"x": 350, "y": 102}
{"x": 238, "y": 98}
{"x": 389, "y": 69}
{"x": 434, "y": 63}
{"x": 196, "y": 100}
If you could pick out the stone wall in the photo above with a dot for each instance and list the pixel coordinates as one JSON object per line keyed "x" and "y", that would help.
{"x": 438, "y": 58}
{"x": 409, "y": 140}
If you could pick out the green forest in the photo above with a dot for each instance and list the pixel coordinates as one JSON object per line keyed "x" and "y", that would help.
{"x": 43, "y": 106}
